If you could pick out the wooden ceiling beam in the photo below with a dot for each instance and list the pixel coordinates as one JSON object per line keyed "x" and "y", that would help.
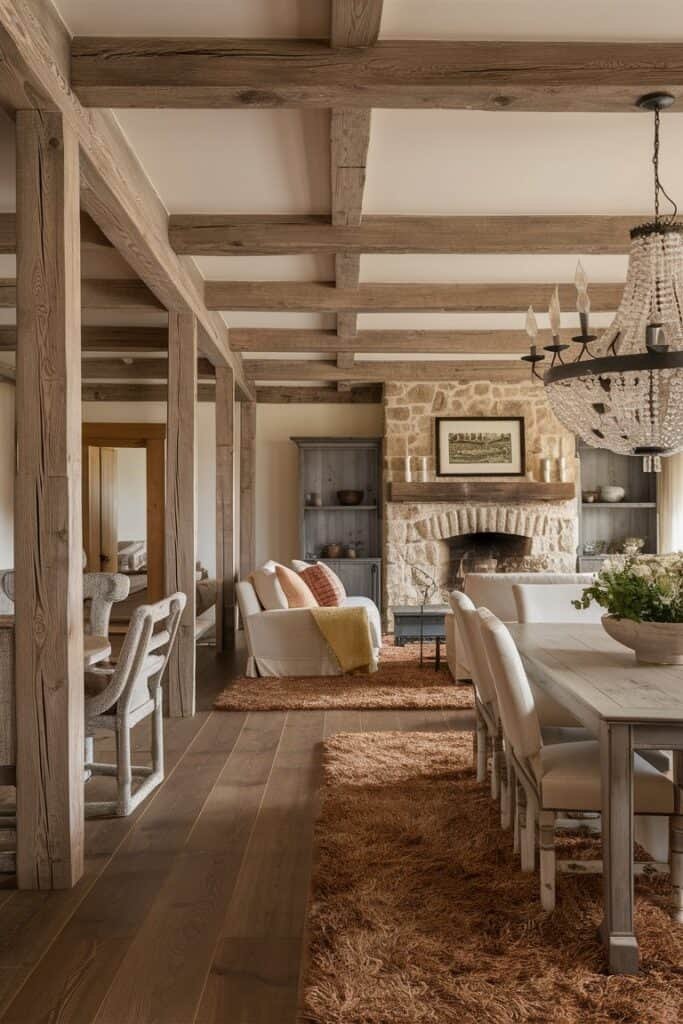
{"x": 474, "y": 75}
{"x": 262, "y": 235}
{"x": 91, "y": 236}
{"x": 105, "y": 339}
{"x": 324, "y": 297}
{"x": 107, "y": 293}
{"x": 381, "y": 371}
{"x": 364, "y": 395}
{"x": 137, "y": 369}
{"x": 115, "y": 191}
{"x": 273, "y": 339}
{"x": 131, "y": 392}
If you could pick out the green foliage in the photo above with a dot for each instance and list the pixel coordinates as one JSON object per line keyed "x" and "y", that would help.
{"x": 643, "y": 588}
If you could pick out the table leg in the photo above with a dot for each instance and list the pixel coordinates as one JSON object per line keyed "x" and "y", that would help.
{"x": 437, "y": 656}
{"x": 616, "y": 930}
{"x": 676, "y": 840}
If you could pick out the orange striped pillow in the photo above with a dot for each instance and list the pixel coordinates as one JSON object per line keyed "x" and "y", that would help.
{"x": 324, "y": 584}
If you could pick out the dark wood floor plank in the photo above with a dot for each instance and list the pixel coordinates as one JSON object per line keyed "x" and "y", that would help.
{"x": 71, "y": 980}
{"x": 342, "y": 721}
{"x": 420, "y": 721}
{"x": 268, "y": 907}
{"x": 256, "y": 982}
{"x": 163, "y": 973}
{"x": 379, "y": 721}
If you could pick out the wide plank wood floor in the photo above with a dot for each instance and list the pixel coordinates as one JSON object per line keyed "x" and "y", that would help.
{"x": 192, "y": 910}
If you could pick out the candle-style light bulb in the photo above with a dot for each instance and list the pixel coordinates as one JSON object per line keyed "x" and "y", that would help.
{"x": 531, "y": 326}
{"x": 580, "y": 278}
{"x": 554, "y": 313}
{"x": 583, "y": 303}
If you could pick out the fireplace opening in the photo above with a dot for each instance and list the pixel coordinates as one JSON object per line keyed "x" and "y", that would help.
{"x": 485, "y": 552}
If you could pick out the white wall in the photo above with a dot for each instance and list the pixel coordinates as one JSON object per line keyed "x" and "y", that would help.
{"x": 155, "y": 412}
{"x": 7, "y": 459}
{"x": 131, "y": 490}
{"x": 277, "y": 472}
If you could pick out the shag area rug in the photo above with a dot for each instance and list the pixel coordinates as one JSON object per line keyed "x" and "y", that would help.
{"x": 398, "y": 683}
{"x": 420, "y": 914}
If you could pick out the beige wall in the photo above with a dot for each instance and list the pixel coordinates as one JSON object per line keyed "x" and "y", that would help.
{"x": 277, "y": 476}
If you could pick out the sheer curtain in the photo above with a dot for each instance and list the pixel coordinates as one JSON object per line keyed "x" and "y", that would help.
{"x": 671, "y": 504}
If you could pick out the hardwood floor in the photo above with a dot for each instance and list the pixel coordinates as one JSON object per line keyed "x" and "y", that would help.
{"x": 192, "y": 910}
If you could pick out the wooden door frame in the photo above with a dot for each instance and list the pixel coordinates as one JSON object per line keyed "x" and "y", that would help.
{"x": 151, "y": 437}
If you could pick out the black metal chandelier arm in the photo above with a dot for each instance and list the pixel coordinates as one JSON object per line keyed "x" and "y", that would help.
{"x": 658, "y": 187}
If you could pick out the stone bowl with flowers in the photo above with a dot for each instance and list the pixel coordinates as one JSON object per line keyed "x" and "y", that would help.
{"x": 643, "y": 599}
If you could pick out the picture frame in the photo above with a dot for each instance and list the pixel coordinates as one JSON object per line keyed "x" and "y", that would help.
{"x": 480, "y": 446}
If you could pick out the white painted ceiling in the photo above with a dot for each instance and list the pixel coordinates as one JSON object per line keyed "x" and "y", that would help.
{"x": 419, "y": 161}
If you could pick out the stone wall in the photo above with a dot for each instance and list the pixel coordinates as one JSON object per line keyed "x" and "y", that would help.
{"x": 416, "y": 534}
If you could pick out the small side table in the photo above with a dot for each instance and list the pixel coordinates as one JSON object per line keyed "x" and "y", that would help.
{"x": 417, "y": 623}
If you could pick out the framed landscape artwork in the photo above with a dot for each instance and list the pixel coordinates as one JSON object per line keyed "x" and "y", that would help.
{"x": 480, "y": 446}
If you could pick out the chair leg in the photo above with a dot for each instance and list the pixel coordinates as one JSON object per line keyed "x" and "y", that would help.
{"x": 496, "y": 766}
{"x": 676, "y": 858}
{"x": 515, "y": 809}
{"x": 527, "y": 838}
{"x": 506, "y": 790}
{"x": 124, "y": 773}
{"x": 482, "y": 752}
{"x": 546, "y": 822}
{"x": 158, "y": 735}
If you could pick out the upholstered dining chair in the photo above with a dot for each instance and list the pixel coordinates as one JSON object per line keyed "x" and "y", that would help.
{"x": 552, "y": 602}
{"x": 119, "y": 696}
{"x": 561, "y": 777}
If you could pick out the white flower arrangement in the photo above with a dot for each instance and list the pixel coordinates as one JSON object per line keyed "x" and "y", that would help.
{"x": 643, "y": 588}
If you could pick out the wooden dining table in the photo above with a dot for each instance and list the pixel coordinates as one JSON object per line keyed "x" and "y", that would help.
{"x": 626, "y": 706}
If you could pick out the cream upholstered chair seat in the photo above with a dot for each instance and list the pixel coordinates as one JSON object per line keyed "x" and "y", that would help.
{"x": 570, "y": 779}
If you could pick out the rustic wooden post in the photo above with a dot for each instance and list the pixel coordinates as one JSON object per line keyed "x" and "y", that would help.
{"x": 181, "y": 486}
{"x": 47, "y": 520}
{"x": 247, "y": 490}
{"x": 225, "y": 522}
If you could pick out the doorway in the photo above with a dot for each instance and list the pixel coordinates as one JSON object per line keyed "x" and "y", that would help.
{"x": 123, "y": 505}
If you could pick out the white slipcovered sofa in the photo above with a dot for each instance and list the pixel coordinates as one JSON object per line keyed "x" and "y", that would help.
{"x": 287, "y": 642}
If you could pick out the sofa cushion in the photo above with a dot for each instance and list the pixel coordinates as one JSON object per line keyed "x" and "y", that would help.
{"x": 268, "y": 589}
{"x": 327, "y": 588}
{"x": 296, "y": 590}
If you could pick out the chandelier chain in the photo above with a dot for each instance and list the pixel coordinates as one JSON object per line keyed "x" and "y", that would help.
{"x": 659, "y": 188}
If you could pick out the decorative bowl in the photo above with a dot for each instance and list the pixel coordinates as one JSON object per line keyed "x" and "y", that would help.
{"x": 333, "y": 551}
{"x": 612, "y": 493}
{"x": 590, "y": 496}
{"x": 350, "y": 497}
{"x": 654, "y": 643}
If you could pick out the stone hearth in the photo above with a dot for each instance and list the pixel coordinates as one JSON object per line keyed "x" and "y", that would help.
{"x": 425, "y": 534}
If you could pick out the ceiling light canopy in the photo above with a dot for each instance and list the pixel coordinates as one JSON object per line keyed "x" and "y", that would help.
{"x": 623, "y": 391}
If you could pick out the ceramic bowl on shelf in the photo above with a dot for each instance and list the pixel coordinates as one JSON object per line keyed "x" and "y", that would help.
{"x": 332, "y": 551}
{"x": 589, "y": 497}
{"x": 350, "y": 497}
{"x": 612, "y": 493}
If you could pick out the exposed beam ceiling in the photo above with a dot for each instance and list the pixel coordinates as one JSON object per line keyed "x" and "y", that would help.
{"x": 254, "y": 235}
{"x": 205, "y": 73}
{"x": 115, "y": 192}
{"x": 367, "y": 372}
{"x": 363, "y": 395}
{"x": 324, "y": 297}
{"x": 266, "y": 339}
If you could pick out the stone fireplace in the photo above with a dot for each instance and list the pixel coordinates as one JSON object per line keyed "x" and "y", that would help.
{"x": 443, "y": 538}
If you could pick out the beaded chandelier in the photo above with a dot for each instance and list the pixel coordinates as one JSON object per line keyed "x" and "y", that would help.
{"x": 624, "y": 390}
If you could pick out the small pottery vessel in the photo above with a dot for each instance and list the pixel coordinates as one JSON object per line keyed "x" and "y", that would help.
{"x": 350, "y": 497}
{"x": 654, "y": 643}
{"x": 333, "y": 551}
{"x": 610, "y": 492}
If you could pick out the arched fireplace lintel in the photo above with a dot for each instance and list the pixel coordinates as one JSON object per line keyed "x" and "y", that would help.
{"x": 455, "y": 522}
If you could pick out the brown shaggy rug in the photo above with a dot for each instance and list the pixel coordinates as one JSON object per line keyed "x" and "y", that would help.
{"x": 399, "y": 683}
{"x": 420, "y": 915}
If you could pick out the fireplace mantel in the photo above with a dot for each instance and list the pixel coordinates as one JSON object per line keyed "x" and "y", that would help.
{"x": 481, "y": 491}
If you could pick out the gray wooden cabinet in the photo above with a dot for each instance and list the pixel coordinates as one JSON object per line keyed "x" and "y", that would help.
{"x": 328, "y": 465}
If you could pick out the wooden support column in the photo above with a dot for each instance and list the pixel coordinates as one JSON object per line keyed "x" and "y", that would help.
{"x": 181, "y": 501}
{"x": 225, "y": 520}
{"x": 247, "y": 489}
{"x": 47, "y": 518}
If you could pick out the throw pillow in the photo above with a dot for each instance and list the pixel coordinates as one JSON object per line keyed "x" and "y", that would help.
{"x": 296, "y": 591}
{"x": 267, "y": 587}
{"x": 327, "y": 588}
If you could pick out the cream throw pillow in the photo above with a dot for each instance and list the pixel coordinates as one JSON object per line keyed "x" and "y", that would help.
{"x": 268, "y": 588}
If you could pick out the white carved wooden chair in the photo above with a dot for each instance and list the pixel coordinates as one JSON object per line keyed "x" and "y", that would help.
{"x": 561, "y": 778}
{"x": 121, "y": 695}
{"x": 552, "y": 602}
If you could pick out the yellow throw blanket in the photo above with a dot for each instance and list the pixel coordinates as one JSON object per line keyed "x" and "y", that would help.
{"x": 347, "y": 632}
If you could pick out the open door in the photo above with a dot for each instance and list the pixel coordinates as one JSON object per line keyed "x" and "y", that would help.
{"x": 91, "y": 507}
{"x": 109, "y": 508}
